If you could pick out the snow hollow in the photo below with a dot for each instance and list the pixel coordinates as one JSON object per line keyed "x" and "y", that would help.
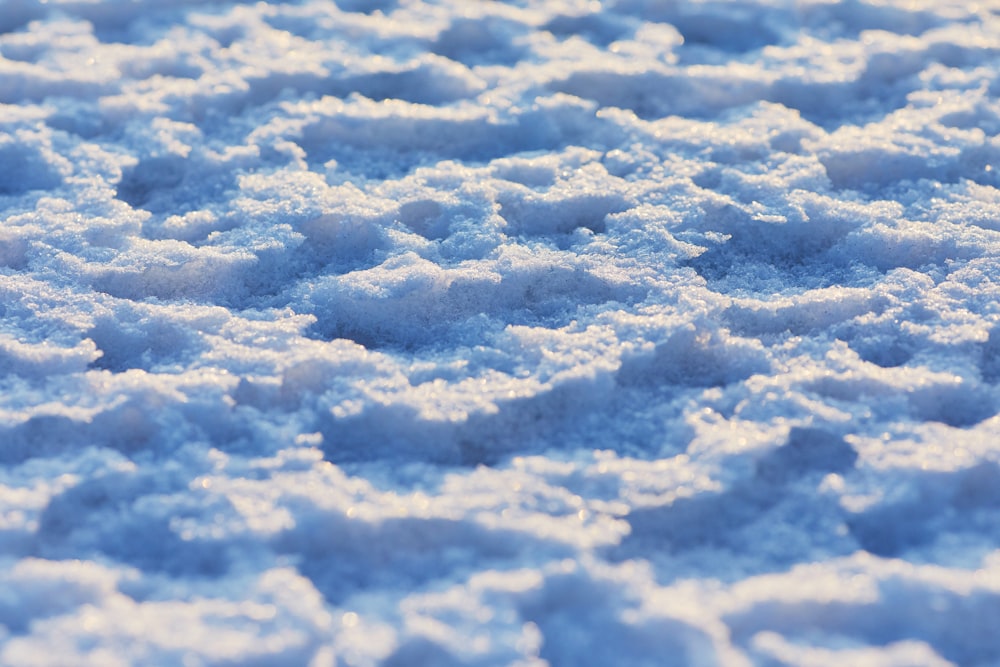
{"x": 541, "y": 332}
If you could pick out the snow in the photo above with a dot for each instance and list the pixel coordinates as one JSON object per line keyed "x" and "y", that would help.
{"x": 575, "y": 332}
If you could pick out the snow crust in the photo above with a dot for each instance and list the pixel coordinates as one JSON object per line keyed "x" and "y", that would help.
{"x": 564, "y": 332}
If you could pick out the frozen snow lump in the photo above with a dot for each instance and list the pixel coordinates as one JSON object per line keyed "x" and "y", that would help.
{"x": 525, "y": 332}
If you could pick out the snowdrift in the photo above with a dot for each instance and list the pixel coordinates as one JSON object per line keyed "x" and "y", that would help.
{"x": 412, "y": 332}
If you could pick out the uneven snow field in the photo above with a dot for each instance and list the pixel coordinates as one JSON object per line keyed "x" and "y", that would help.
{"x": 566, "y": 332}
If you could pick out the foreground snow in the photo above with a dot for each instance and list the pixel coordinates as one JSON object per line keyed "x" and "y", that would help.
{"x": 478, "y": 333}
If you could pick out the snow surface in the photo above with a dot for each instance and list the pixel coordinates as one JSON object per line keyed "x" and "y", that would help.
{"x": 566, "y": 332}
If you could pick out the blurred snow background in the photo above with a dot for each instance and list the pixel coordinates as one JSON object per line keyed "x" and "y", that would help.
{"x": 565, "y": 332}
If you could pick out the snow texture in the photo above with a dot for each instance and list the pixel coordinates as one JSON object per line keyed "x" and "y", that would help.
{"x": 541, "y": 332}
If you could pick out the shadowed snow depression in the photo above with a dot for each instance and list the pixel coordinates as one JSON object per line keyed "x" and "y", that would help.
{"x": 542, "y": 332}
